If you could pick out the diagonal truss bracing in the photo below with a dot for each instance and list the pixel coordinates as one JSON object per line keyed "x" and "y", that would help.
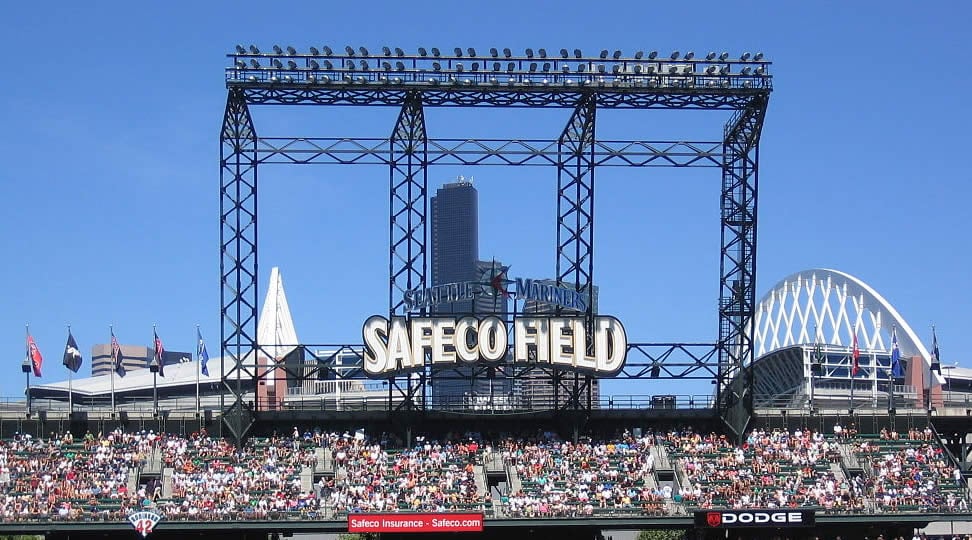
{"x": 238, "y": 255}
{"x": 467, "y": 152}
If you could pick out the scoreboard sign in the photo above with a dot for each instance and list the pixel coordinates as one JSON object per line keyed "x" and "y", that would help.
{"x": 729, "y": 519}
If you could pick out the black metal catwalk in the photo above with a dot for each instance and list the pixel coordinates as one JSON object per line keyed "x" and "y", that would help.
{"x": 414, "y": 82}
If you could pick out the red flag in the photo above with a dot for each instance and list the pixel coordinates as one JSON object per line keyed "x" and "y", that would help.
{"x": 36, "y": 360}
{"x": 856, "y": 354}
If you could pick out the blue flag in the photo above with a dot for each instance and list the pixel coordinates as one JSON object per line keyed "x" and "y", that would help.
{"x": 897, "y": 370}
{"x": 936, "y": 359}
{"x": 201, "y": 353}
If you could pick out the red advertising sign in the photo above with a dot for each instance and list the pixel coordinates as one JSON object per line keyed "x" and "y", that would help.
{"x": 405, "y": 523}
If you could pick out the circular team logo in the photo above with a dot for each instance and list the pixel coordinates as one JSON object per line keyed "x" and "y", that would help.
{"x": 714, "y": 519}
{"x": 144, "y": 522}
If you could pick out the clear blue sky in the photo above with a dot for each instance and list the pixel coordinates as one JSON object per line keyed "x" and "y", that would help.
{"x": 109, "y": 177}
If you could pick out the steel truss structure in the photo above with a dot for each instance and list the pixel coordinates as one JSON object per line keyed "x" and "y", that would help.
{"x": 412, "y": 82}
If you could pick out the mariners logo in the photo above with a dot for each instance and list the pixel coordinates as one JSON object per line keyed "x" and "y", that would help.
{"x": 714, "y": 519}
{"x": 144, "y": 522}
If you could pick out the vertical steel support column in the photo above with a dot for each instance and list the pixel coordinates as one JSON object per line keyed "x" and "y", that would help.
{"x": 737, "y": 282}
{"x": 238, "y": 259}
{"x": 575, "y": 221}
{"x": 408, "y": 186}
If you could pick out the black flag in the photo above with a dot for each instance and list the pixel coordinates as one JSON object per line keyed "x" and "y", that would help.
{"x": 72, "y": 356}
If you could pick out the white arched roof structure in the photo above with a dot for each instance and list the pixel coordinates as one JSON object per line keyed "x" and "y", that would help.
{"x": 829, "y": 307}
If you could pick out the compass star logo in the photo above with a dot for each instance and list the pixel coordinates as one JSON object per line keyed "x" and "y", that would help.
{"x": 494, "y": 280}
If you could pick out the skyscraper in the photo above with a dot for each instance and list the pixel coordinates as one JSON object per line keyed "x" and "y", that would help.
{"x": 455, "y": 238}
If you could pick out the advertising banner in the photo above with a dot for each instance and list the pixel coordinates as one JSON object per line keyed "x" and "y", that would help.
{"x": 419, "y": 523}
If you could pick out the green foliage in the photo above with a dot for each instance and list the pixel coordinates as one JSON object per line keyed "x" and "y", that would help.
{"x": 662, "y": 534}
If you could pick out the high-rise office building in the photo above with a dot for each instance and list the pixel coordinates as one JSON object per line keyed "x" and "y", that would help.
{"x": 455, "y": 238}
{"x": 455, "y": 254}
{"x": 536, "y": 389}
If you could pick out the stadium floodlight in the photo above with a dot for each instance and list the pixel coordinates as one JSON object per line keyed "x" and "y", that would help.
{"x": 688, "y": 70}
{"x": 747, "y": 84}
{"x": 529, "y": 53}
{"x": 328, "y": 65}
{"x": 291, "y": 65}
{"x": 277, "y": 64}
{"x": 435, "y": 52}
{"x": 581, "y": 68}
{"x": 314, "y": 51}
{"x": 637, "y": 69}
{"x": 470, "y": 52}
{"x": 386, "y": 66}
{"x": 474, "y": 66}
{"x": 600, "y": 68}
{"x": 565, "y": 68}
{"x": 240, "y": 49}
{"x": 314, "y": 65}
{"x": 399, "y": 51}
{"x": 311, "y": 78}
{"x": 291, "y": 51}
{"x": 254, "y": 50}
{"x": 511, "y": 66}
{"x": 652, "y": 55}
{"x": 578, "y": 53}
{"x": 724, "y": 70}
{"x": 758, "y": 57}
{"x": 546, "y": 67}
{"x": 327, "y": 51}
{"x": 616, "y": 69}
{"x": 616, "y": 55}
{"x": 507, "y": 53}
{"x": 711, "y": 70}
{"x": 325, "y": 80}
{"x": 650, "y": 69}
{"x": 254, "y": 64}
{"x": 364, "y": 65}
{"x": 542, "y": 53}
{"x": 674, "y": 55}
{"x": 363, "y": 51}
{"x": 689, "y": 55}
{"x": 289, "y": 79}
{"x": 724, "y": 56}
{"x": 711, "y": 56}
{"x": 760, "y": 71}
{"x": 436, "y": 66}
{"x": 746, "y": 71}
{"x": 423, "y": 52}
{"x": 277, "y": 49}
{"x": 744, "y": 57}
{"x": 399, "y": 66}
{"x": 349, "y": 50}
{"x": 493, "y": 52}
{"x": 639, "y": 55}
{"x": 496, "y": 66}
{"x": 459, "y": 67}
{"x": 564, "y": 53}
{"x": 492, "y": 80}
{"x": 274, "y": 79}
{"x": 467, "y": 81}
{"x": 385, "y": 51}
{"x": 533, "y": 67}
{"x": 604, "y": 54}
{"x": 458, "y": 52}
{"x": 397, "y": 80}
{"x": 672, "y": 69}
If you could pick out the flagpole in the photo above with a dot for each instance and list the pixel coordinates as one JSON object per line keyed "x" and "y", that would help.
{"x": 28, "y": 365}
{"x": 155, "y": 372}
{"x": 70, "y": 383}
{"x": 113, "y": 367}
{"x": 198, "y": 369}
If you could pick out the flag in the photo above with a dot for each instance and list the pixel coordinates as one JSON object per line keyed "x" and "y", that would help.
{"x": 159, "y": 353}
{"x": 72, "y": 356}
{"x": 116, "y": 356}
{"x": 201, "y": 353}
{"x": 816, "y": 363}
{"x": 936, "y": 360}
{"x": 36, "y": 360}
{"x": 897, "y": 370}
{"x": 856, "y": 355}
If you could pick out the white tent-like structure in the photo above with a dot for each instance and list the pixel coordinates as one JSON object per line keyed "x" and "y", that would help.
{"x": 276, "y": 338}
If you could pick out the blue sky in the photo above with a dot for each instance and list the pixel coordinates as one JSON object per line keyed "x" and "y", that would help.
{"x": 109, "y": 184}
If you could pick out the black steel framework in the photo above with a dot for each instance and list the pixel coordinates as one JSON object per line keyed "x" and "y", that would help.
{"x": 413, "y": 82}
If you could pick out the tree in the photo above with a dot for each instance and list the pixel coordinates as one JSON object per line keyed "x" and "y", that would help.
{"x": 662, "y": 534}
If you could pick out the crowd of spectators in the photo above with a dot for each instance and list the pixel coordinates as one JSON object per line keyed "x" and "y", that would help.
{"x": 582, "y": 479}
{"x": 771, "y": 469}
{"x": 911, "y": 473}
{"x": 319, "y": 475}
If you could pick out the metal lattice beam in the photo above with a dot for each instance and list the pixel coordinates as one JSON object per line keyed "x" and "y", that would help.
{"x": 737, "y": 284}
{"x": 468, "y": 152}
{"x": 408, "y": 188}
{"x": 238, "y": 255}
